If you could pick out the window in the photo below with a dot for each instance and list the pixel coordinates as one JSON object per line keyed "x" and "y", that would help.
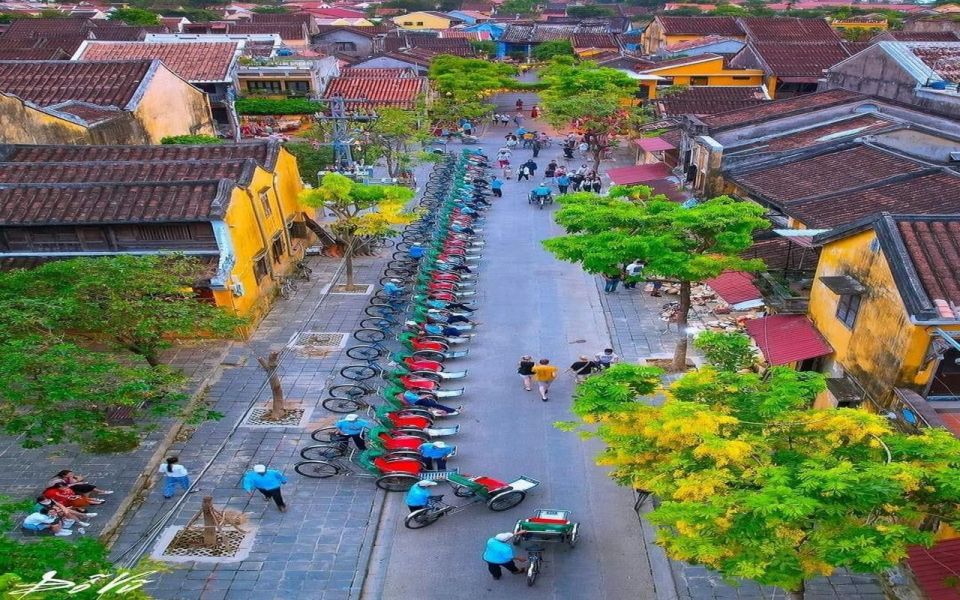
{"x": 345, "y": 46}
{"x": 260, "y": 267}
{"x": 276, "y": 248}
{"x": 741, "y": 78}
{"x": 700, "y": 80}
{"x": 261, "y": 87}
{"x": 847, "y": 309}
{"x": 156, "y": 233}
{"x": 665, "y": 82}
{"x": 298, "y": 87}
{"x": 408, "y": 22}
{"x": 265, "y": 201}
{"x": 297, "y": 230}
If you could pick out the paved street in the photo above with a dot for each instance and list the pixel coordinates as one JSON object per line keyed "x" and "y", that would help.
{"x": 530, "y": 304}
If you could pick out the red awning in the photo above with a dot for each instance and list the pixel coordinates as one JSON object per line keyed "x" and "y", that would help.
{"x": 638, "y": 174}
{"x": 654, "y": 144}
{"x": 784, "y": 339}
{"x": 934, "y": 568}
{"x": 734, "y": 287}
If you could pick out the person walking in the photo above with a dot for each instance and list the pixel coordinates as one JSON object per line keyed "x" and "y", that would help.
{"x": 519, "y": 104}
{"x": 498, "y": 555}
{"x": 525, "y": 369}
{"x": 607, "y": 358}
{"x": 434, "y": 454}
{"x": 523, "y": 172}
{"x": 496, "y": 186}
{"x": 536, "y": 145}
{"x": 611, "y": 281}
{"x": 175, "y": 475}
{"x": 563, "y": 183}
{"x": 583, "y": 367}
{"x": 532, "y": 165}
{"x": 544, "y": 373}
{"x": 518, "y": 119}
{"x": 504, "y": 119}
{"x": 503, "y": 157}
{"x": 535, "y": 111}
{"x": 634, "y": 270}
{"x": 352, "y": 426}
{"x": 551, "y": 170}
{"x": 267, "y": 482}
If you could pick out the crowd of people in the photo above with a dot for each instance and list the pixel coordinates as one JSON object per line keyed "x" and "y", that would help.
{"x": 66, "y": 501}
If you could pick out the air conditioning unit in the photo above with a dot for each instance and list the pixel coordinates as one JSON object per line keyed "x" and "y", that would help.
{"x": 236, "y": 286}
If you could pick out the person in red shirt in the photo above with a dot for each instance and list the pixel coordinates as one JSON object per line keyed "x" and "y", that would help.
{"x": 59, "y": 492}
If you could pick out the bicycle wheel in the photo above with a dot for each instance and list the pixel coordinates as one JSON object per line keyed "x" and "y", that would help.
{"x": 316, "y": 469}
{"x": 533, "y": 569}
{"x": 378, "y": 323}
{"x": 506, "y": 500}
{"x": 327, "y": 435}
{"x": 323, "y": 452}
{"x": 343, "y": 405}
{"x": 369, "y": 335}
{"x": 359, "y": 372}
{"x": 351, "y": 392}
{"x": 381, "y": 311}
{"x": 368, "y": 353}
{"x": 419, "y": 519}
{"x": 397, "y": 482}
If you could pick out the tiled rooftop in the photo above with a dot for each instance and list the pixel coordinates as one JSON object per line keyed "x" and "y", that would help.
{"x": 193, "y": 61}
{"x": 264, "y": 152}
{"x": 391, "y": 92}
{"x": 594, "y": 40}
{"x": 833, "y": 132}
{"x": 52, "y": 82}
{"x": 788, "y": 30}
{"x": 943, "y": 59}
{"x": 919, "y": 36}
{"x": 377, "y": 73}
{"x": 28, "y": 204}
{"x": 709, "y": 100}
{"x": 780, "y": 108}
{"x": 291, "y": 32}
{"x": 239, "y": 170}
{"x": 800, "y": 60}
{"x": 700, "y": 25}
{"x": 934, "y": 250}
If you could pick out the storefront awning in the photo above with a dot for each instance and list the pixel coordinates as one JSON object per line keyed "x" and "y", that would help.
{"x": 639, "y": 174}
{"x": 654, "y": 144}
{"x": 736, "y": 288}
{"x": 786, "y": 339}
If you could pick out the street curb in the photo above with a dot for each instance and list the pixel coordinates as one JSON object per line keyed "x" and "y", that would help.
{"x": 111, "y": 527}
{"x": 371, "y": 536}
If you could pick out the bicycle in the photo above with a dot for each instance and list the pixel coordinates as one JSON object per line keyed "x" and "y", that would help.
{"x": 534, "y": 560}
{"x": 286, "y": 287}
{"x": 302, "y": 271}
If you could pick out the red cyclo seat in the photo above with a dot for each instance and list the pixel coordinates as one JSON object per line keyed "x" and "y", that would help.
{"x": 548, "y": 521}
{"x": 409, "y": 421}
{"x": 490, "y": 483}
{"x": 425, "y": 345}
{"x": 393, "y": 466}
{"x": 423, "y": 365}
{"x": 413, "y": 383}
{"x": 400, "y": 443}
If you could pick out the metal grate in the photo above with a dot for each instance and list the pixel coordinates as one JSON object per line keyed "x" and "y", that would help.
{"x": 188, "y": 543}
{"x": 260, "y": 417}
{"x": 361, "y": 290}
{"x": 318, "y": 343}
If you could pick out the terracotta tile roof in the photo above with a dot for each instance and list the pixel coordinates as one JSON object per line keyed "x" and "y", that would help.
{"x": 304, "y": 18}
{"x": 264, "y": 152}
{"x": 834, "y": 131}
{"x": 238, "y": 170}
{"x": 118, "y": 32}
{"x": 377, "y": 73}
{"x": 933, "y": 192}
{"x": 68, "y": 42}
{"x": 455, "y": 46}
{"x": 709, "y": 100}
{"x": 800, "y": 60}
{"x": 21, "y": 28}
{"x": 735, "y": 287}
{"x": 780, "y": 253}
{"x": 847, "y": 168}
{"x": 365, "y": 31}
{"x": 88, "y": 113}
{"x": 943, "y": 59}
{"x": 674, "y": 137}
{"x": 291, "y": 32}
{"x": 780, "y": 108}
{"x": 935, "y": 569}
{"x": 537, "y": 33}
{"x": 193, "y": 61}
{"x": 391, "y": 92}
{"x": 51, "y": 82}
{"x": 34, "y": 54}
{"x": 788, "y": 30}
{"x": 785, "y": 339}
{"x": 934, "y": 248}
{"x": 594, "y": 40}
{"x": 45, "y": 204}
{"x": 700, "y": 25}
{"x": 918, "y": 36}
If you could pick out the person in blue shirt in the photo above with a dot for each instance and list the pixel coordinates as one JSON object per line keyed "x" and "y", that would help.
{"x": 419, "y": 496}
{"x": 435, "y": 454}
{"x": 394, "y": 287}
{"x": 563, "y": 183}
{"x": 416, "y": 252}
{"x": 499, "y": 553}
{"x": 541, "y": 191}
{"x": 352, "y": 426}
{"x": 497, "y": 186}
{"x": 427, "y": 401}
{"x": 267, "y": 482}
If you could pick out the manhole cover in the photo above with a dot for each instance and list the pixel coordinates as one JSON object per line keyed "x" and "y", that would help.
{"x": 260, "y": 417}
{"x": 356, "y": 290}
{"x": 177, "y": 544}
{"x": 318, "y": 343}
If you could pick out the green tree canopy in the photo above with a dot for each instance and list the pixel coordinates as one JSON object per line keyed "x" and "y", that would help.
{"x": 755, "y": 485}
{"x": 517, "y": 7}
{"x": 547, "y": 50}
{"x": 190, "y": 140}
{"x": 598, "y": 101}
{"x": 135, "y": 16}
{"x": 681, "y": 244}
{"x": 464, "y": 84}
{"x": 393, "y": 132}
{"x": 360, "y": 210}
{"x": 589, "y": 10}
{"x": 485, "y": 48}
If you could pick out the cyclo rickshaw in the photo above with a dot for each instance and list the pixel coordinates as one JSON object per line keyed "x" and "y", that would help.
{"x": 547, "y": 526}
{"x": 392, "y": 473}
{"x": 497, "y": 495}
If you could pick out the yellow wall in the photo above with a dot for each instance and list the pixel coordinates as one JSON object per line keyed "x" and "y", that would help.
{"x": 712, "y": 69}
{"x": 883, "y": 350}
{"x": 171, "y": 106}
{"x": 252, "y": 232}
{"x": 409, "y": 21}
{"x": 841, "y": 25}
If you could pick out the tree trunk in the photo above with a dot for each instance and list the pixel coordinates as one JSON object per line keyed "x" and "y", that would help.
{"x": 797, "y": 594}
{"x": 680, "y": 353}
{"x": 348, "y": 259}
{"x": 209, "y": 523}
{"x": 270, "y": 365}
{"x": 597, "y": 153}
{"x": 391, "y": 169}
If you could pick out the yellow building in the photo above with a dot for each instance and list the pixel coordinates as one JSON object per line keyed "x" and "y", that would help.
{"x": 886, "y": 296}
{"x": 426, "y": 19}
{"x": 705, "y": 70}
{"x": 667, "y": 30}
{"x": 234, "y": 207}
{"x": 869, "y": 24}
{"x": 62, "y": 102}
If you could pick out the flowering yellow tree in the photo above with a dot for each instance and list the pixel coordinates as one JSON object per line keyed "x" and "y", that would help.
{"x": 755, "y": 484}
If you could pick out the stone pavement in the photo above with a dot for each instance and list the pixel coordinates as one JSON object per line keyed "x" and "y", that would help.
{"x": 121, "y": 472}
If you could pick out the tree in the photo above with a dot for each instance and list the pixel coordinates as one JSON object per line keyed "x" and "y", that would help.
{"x": 547, "y": 50}
{"x": 361, "y": 210}
{"x": 392, "y": 132}
{"x": 755, "y": 485}
{"x": 272, "y": 10}
{"x": 589, "y": 10}
{"x": 728, "y": 351}
{"x": 135, "y": 16}
{"x": 135, "y": 303}
{"x": 484, "y": 48}
{"x": 729, "y": 10}
{"x": 463, "y": 85}
{"x": 190, "y": 140}
{"x": 598, "y": 101}
{"x": 681, "y": 244}
{"x": 517, "y": 7}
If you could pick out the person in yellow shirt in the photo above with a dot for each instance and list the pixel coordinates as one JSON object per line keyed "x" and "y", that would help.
{"x": 544, "y": 373}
